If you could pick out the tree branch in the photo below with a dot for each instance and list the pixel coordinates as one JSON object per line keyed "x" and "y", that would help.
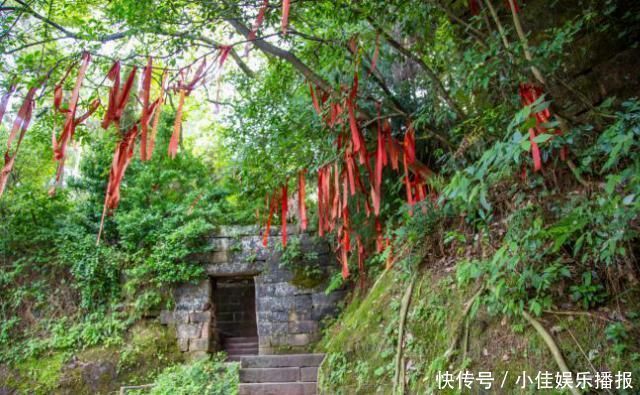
{"x": 271, "y": 49}
{"x": 442, "y": 92}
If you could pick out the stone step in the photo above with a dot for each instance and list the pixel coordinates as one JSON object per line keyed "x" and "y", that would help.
{"x": 269, "y": 375}
{"x": 278, "y": 375}
{"x": 241, "y": 344}
{"x": 239, "y": 339}
{"x": 242, "y": 353}
{"x": 277, "y": 389}
{"x": 234, "y": 349}
{"x": 277, "y": 361}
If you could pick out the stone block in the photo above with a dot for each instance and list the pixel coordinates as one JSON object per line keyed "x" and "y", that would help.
{"x": 181, "y": 316}
{"x": 284, "y": 289}
{"x": 299, "y": 339}
{"x": 183, "y": 344}
{"x": 272, "y": 328}
{"x": 199, "y": 316}
{"x": 219, "y": 256}
{"x": 309, "y": 374}
{"x": 303, "y": 327}
{"x": 199, "y": 345}
{"x": 185, "y": 331}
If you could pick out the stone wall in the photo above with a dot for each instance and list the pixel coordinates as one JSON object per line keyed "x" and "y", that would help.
{"x": 290, "y": 301}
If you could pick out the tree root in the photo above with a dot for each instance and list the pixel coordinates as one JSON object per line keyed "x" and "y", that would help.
{"x": 398, "y": 379}
{"x": 553, "y": 346}
{"x": 456, "y": 339}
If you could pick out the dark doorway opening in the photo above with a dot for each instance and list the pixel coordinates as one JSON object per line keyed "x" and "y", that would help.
{"x": 234, "y": 299}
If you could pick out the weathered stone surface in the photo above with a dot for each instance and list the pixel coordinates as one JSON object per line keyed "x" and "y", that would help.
{"x": 199, "y": 316}
{"x": 276, "y": 361}
{"x": 303, "y": 327}
{"x": 183, "y": 344}
{"x": 309, "y": 374}
{"x": 199, "y": 344}
{"x": 269, "y": 375}
{"x": 234, "y": 268}
{"x": 277, "y": 389}
{"x": 299, "y": 339}
{"x": 188, "y": 331}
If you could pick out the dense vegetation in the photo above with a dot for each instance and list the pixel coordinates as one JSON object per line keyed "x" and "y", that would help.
{"x": 529, "y": 214}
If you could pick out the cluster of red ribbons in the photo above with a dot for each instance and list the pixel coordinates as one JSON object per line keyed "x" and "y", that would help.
{"x": 70, "y": 122}
{"x": 148, "y": 109}
{"x": 341, "y": 180}
{"x": 19, "y": 128}
{"x": 529, "y": 94}
{"x": 281, "y": 198}
{"x": 184, "y": 89}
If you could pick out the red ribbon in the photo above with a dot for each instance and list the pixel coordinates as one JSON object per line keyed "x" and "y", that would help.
{"x": 285, "y": 208}
{"x": 146, "y": 110}
{"x": 285, "y": 15}
{"x": 117, "y": 97}
{"x": 20, "y": 125}
{"x": 71, "y": 122}
{"x": 156, "y": 115}
{"x": 301, "y": 199}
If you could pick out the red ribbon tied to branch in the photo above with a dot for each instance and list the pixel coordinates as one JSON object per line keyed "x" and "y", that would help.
{"x": 184, "y": 91}
{"x": 20, "y": 126}
{"x": 70, "y": 122}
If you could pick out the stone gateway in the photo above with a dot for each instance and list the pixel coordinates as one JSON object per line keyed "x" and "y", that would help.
{"x": 256, "y": 299}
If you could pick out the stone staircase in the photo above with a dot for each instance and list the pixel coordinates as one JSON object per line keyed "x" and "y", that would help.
{"x": 240, "y": 346}
{"x": 294, "y": 374}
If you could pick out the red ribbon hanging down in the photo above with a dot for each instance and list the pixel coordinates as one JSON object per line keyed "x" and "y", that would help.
{"x": 224, "y": 54}
{"x": 408, "y": 158}
{"x": 359, "y": 145}
{"x": 529, "y": 94}
{"x": 285, "y": 208}
{"x": 394, "y": 155}
{"x": 381, "y": 160}
{"x": 70, "y": 122}
{"x": 301, "y": 200}
{"x": 20, "y": 125}
{"x": 346, "y": 242}
{"x": 147, "y": 110}
{"x": 184, "y": 91}
{"x": 285, "y": 15}
{"x": 175, "y": 136}
{"x": 256, "y": 25}
{"x": 156, "y": 115}
{"x": 314, "y": 100}
{"x": 117, "y": 97}
{"x": 121, "y": 159}
{"x": 321, "y": 207}
{"x": 4, "y": 101}
{"x": 474, "y": 6}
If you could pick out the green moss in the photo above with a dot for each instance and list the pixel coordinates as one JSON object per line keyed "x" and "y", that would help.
{"x": 40, "y": 375}
{"x": 306, "y": 279}
{"x": 150, "y": 348}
